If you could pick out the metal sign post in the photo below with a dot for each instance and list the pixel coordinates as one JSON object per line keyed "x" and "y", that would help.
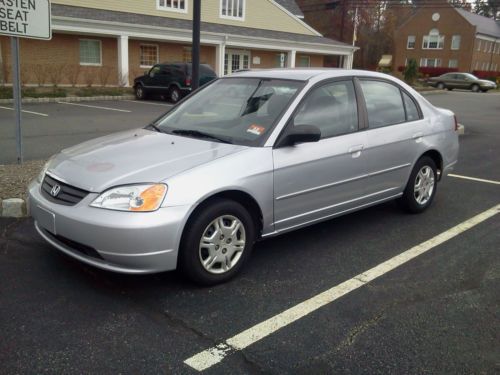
{"x": 16, "y": 91}
{"x": 23, "y": 19}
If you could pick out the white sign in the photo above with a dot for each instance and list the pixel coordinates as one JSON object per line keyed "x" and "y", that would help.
{"x": 25, "y": 18}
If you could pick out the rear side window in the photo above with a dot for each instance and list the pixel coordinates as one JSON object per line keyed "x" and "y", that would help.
{"x": 383, "y": 103}
{"x": 411, "y": 108}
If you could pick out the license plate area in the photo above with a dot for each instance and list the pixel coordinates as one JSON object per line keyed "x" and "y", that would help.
{"x": 46, "y": 219}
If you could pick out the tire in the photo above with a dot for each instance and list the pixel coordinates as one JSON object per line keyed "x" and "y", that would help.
{"x": 441, "y": 86}
{"x": 484, "y": 90}
{"x": 140, "y": 92}
{"x": 220, "y": 256}
{"x": 174, "y": 94}
{"x": 475, "y": 88}
{"x": 416, "y": 200}
{"x": 449, "y": 89}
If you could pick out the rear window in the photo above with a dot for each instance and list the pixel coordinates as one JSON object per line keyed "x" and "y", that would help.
{"x": 383, "y": 103}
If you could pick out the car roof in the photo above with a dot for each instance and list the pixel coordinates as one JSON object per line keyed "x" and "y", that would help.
{"x": 305, "y": 74}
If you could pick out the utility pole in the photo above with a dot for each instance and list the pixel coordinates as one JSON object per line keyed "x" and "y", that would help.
{"x": 195, "y": 58}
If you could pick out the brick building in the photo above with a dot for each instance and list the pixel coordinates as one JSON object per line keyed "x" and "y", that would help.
{"x": 450, "y": 38}
{"x": 112, "y": 41}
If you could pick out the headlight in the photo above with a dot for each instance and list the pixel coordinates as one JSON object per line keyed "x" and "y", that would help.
{"x": 138, "y": 198}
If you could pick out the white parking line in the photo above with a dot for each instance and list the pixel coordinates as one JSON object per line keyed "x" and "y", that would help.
{"x": 95, "y": 106}
{"x": 474, "y": 179}
{"x": 24, "y": 111}
{"x": 216, "y": 354}
{"x": 149, "y": 103}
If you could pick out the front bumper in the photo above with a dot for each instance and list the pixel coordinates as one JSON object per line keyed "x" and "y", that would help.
{"x": 126, "y": 242}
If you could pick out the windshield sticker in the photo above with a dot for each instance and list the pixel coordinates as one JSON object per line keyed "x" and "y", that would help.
{"x": 256, "y": 129}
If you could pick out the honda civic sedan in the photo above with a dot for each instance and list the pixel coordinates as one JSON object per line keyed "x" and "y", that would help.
{"x": 247, "y": 157}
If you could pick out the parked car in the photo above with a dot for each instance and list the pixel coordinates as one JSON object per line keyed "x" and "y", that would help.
{"x": 249, "y": 156}
{"x": 173, "y": 81}
{"x": 465, "y": 81}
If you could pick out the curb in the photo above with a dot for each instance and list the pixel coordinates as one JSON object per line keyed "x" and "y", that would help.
{"x": 70, "y": 99}
{"x": 13, "y": 208}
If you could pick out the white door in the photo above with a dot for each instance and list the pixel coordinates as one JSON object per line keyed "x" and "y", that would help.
{"x": 236, "y": 60}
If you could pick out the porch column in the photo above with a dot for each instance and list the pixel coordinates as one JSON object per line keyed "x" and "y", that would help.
{"x": 348, "y": 61}
{"x": 220, "y": 51}
{"x": 123, "y": 71}
{"x": 291, "y": 59}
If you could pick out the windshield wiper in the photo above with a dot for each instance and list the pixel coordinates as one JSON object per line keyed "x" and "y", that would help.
{"x": 197, "y": 133}
{"x": 154, "y": 127}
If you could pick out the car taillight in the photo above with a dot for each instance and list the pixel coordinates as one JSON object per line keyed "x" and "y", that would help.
{"x": 188, "y": 81}
{"x": 456, "y": 123}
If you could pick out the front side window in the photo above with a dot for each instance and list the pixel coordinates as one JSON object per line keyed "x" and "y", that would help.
{"x": 90, "y": 52}
{"x": 172, "y": 5}
{"x": 383, "y": 103}
{"x": 455, "y": 41}
{"x": 332, "y": 108}
{"x": 149, "y": 55}
{"x": 234, "y": 110}
{"x": 232, "y": 9}
{"x": 433, "y": 40}
{"x": 411, "y": 42}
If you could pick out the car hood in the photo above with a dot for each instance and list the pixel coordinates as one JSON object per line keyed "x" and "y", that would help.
{"x": 135, "y": 156}
{"x": 485, "y": 82}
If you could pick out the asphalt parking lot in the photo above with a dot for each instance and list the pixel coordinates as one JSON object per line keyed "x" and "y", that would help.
{"x": 433, "y": 313}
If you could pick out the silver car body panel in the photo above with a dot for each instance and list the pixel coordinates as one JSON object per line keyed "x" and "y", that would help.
{"x": 293, "y": 186}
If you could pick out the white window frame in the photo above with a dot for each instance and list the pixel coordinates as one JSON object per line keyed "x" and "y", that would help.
{"x": 100, "y": 52}
{"x": 425, "y": 60}
{"x": 479, "y": 44}
{"x": 485, "y": 46}
{"x": 408, "y": 42}
{"x": 236, "y": 18}
{"x": 456, "y": 39}
{"x": 476, "y": 66}
{"x": 171, "y": 8}
{"x": 455, "y": 65}
{"x": 157, "y": 54}
{"x": 434, "y": 33}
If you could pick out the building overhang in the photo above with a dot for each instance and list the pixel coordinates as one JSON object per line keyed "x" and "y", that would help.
{"x": 78, "y": 26}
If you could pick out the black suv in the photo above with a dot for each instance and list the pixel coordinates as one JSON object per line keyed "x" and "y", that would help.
{"x": 172, "y": 80}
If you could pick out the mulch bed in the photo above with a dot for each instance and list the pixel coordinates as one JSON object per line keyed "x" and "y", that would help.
{"x": 15, "y": 178}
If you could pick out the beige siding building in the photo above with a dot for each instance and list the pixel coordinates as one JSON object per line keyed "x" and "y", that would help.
{"x": 112, "y": 41}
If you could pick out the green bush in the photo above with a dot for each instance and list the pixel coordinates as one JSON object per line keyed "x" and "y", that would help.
{"x": 5, "y": 92}
{"x": 91, "y": 91}
{"x": 56, "y": 92}
{"x": 411, "y": 71}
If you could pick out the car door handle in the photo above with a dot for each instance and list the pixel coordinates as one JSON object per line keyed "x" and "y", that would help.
{"x": 355, "y": 151}
{"x": 418, "y": 135}
{"x": 356, "y": 148}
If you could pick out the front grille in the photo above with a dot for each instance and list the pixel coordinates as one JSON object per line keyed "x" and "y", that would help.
{"x": 68, "y": 195}
{"x": 76, "y": 246}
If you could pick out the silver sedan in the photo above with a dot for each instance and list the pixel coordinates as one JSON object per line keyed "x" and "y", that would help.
{"x": 247, "y": 157}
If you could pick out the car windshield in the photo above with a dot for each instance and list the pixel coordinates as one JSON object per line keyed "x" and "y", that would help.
{"x": 233, "y": 110}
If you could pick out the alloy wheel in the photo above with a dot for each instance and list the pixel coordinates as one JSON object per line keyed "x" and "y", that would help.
{"x": 222, "y": 244}
{"x": 424, "y": 185}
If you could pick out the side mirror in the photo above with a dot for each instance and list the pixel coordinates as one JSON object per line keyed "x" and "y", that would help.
{"x": 300, "y": 134}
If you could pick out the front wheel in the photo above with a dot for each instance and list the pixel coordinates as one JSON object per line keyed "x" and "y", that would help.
{"x": 441, "y": 86}
{"x": 421, "y": 187}
{"x": 140, "y": 92}
{"x": 475, "y": 88}
{"x": 217, "y": 242}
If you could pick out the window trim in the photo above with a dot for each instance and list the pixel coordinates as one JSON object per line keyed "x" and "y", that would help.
{"x": 169, "y": 9}
{"x": 223, "y": 16}
{"x": 157, "y": 54}
{"x": 401, "y": 90}
{"x": 439, "y": 36}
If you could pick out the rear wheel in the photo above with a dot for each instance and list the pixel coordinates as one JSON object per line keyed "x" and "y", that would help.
{"x": 421, "y": 187}
{"x": 174, "y": 94}
{"x": 441, "y": 86}
{"x": 475, "y": 88}
{"x": 140, "y": 92}
{"x": 217, "y": 242}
